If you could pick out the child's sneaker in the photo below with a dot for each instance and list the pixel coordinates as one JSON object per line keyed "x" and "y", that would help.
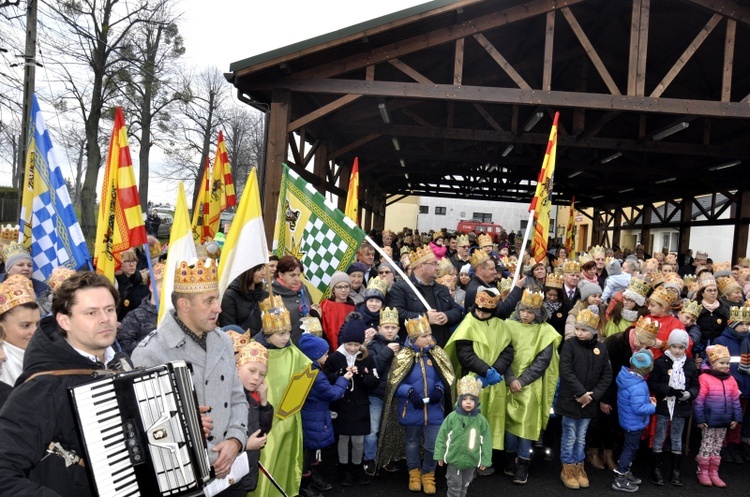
{"x": 370, "y": 468}
{"x": 622, "y": 484}
{"x": 632, "y": 478}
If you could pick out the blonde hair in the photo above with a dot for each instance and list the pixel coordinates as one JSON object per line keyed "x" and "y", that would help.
{"x": 128, "y": 255}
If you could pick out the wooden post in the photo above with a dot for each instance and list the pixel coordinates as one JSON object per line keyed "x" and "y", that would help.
{"x": 278, "y": 142}
{"x": 344, "y": 171}
{"x": 321, "y": 166}
{"x": 739, "y": 244}
{"x": 648, "y": 209}
{"x": 618, "y": 227}
{"x": 683, "y": 244}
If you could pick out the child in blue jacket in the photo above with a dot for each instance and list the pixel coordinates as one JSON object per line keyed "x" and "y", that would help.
{"x": 635, "y": 407}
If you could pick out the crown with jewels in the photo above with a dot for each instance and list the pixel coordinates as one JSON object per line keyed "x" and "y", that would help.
{"x": 469, "y": 385}
{"x": 509, "y": 263}
{"x": 389, "y": 315}
{"x": 379, "y": 284}
{"x": 597, "y": 250}
{"x": 158, "y": 271}
{"x": 532, "y": 300}
{"x": 646, "y": 328}
{"x": 445, "y": 266}
{"x": 583, "y": 258}
{"x": 252, "y": 352}
{"x": 655, "y": 279}
{"x": 716, "y": 352}
{"x": 692, "y": 307}
{"x": 9, "y": 233}
{"x": 276, "y": 320}
{"x": 311, "y": 324}
{"x": 690, "y": 278}
{"x": 239, "y": 340}
{"x": 663, "y": 296}
{"x": 558, "y": 263}
{"x": 448, "y": 280}
{"x": 706, "y": 280}
{"x": 744, "y": 261}
{"x": 486, "y": 298}
{"x": 571, "y": 267}
{"x": 639, "y": 286}
{"x": 196, "y": 278}
{"x": 670, "y": 259}
{"x": 505, "y": 285}
{"x": 12, "y": 249}
{"x": 478, "y": 257}
{"x": 270, "y": 302}
{"x": 723, "y": 268}
{"x": 484, "y": 239}
{"x": 739, "y": 314}
{"x": 651, "y": 264}
{"x": 421, "y": 255}
{"x": 727, "y": 284}
{"x": 554, "y": 281}
{"x": 462, "y": 240}
{"x": 588, "y": 319}
{"x": 15, "y": 291}
{"x": 60, "y": 274}
{"x": 418, "y": 327}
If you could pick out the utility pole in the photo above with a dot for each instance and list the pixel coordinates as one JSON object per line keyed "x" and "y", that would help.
{"x": 29, "y": 83}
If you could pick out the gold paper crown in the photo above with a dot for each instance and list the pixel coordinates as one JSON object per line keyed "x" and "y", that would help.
{"x": 570, "y": 267}
{"x": 554, "y": 281}
{"x": 421, "y": 255}
{"x": 14, "y": 248}
{"x": 198, "y": 278}
{"x": 639, "y": 286}
{"x": 59, "y": 274}
{"x": 200, "y": 250}
{"x": 744, "y": 261}
{"x": 716, "y": 352}
{"x": 670, "y": 259}
{"x": 690, "y": 278}
{"x": 312, "y": 325}
{"x": 701, "y": 255}
{"x": 505, "y": 285}
{"x": 588, "y": 320}
{"x": 707, "y": 281}
{"x": 159, "y": 271}
{"x": 651, "y": 263}
{"x": 14, "y": 291}
{"x": 462, "y": 240}
{"x": 239, "y": 340}
{"x": 583, "y": 258}
{"x": 597, "y": 250}
{"x": 448, "y": 280}
{"x": 270, "y": 302}
{"x": 276, "y": 320}
{"x": 445, "y": 266}
{"x": 663, "y": 296}
{"x": 154, "y": 249}
{"x": 486, "y": 300}
{"x": 437, "y": 234}
{"x": 418, "y": 327}
{"x": 484, "y": 239}
{"x": 558, "y": 263}
{"x": 478, "y": 257}
{"x": 252, "y": 352}
{"x": 727, "y": 284}
{"x": 722, "y": 266}
{"x": 9, "y": 233}
{"x": 692, "y": 307}
{"x": 532, "y": 299}
{"x": 509, "y": 263}
{"x": 379, "y": 284}
{"x": 469, "y": 385}
{"x": 647, "y": 328}
{"x": 674, "y": 278}
{"x": 389, "y": 315}
{"x": 739, "y": 314}
{"x": 655, "y": 279}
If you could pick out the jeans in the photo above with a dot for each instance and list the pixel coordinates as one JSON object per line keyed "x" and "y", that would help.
{"x": 371, "y": 440}
{"x": 675, "y": 433}
{"x": 517, "y": 444}
{"x": 573, "y": 441}
{"x": 630, "y": 447}
{"x": 424, "y": 435}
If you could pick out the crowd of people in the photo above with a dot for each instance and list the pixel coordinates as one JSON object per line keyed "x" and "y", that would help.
{"x": 432, "y": 356}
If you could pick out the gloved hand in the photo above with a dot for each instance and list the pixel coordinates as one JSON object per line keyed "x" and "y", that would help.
{"x": 436, "y": 395}
{"x": 685, "y": 396}
{"x": 415, "y": 399}
{"x": 493, "y": 377}
{"x": 485, "y": 381}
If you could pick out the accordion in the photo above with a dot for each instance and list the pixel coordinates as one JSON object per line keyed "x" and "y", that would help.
{"x": 141, "y": 433}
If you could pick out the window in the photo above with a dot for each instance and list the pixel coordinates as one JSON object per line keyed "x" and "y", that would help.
{"x": 424, "y": 209}
{"x": 482, "y": 217}
{"x": 440, "y": 211}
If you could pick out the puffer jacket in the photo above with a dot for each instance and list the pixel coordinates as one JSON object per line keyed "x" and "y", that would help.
{"x": 584, "y": 367}
{"x": 353, "y": 408}
{"x": 733, "y": 341}
{"x": 464, "y": 440}
{"x": 422, "y": 378}
{"x": 718, "y": 401}
{"x": 383, "y": 356}
{"x": 242, "y": 308}
{"x": 137, "y": 325}
{"x": 633, "y": 400}
{"x": 658, "y": 383}
{"x": 317, "y": 427}
{"x": 293, "y": 301}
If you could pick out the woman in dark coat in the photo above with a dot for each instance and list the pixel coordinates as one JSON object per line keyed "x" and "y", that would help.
{"x": 132, "y": 286}
{"x": 241, "y": 302}
{"x": 288, "y": 285}
{"x": 713, "y": 317}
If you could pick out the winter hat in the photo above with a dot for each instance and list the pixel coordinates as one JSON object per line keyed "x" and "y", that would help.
{"x": 589, "y": 289}
{"x": 373, "y": 292}
{"x": 353, "y": 329}
{"x": 614, "y": 267}
{"x": 313, "y": 346}
{"x": 466, "y": 268}
{"x": 14, "y": 252}
{"x": 340, "y": 277}
{"x": 642, "y": 362}
{"x": 357, "y": 267}
{"x": 678, "y": 337}
{"x": 388, "y": 265}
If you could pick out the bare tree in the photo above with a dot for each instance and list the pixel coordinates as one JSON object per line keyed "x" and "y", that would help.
{"x": 244, "y": 139}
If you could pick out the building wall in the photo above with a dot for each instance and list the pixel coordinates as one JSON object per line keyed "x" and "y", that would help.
{"x": 402, "y": 213}
{"x": 508, "y": 214}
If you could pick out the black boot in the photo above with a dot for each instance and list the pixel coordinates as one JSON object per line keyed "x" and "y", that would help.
{"x": 510, "y": 464}
{"x": 358, "y": 474}
{"x": 307, "y": 490}
{"x": 345, "y": 475}
{"x": 319, "y": 483}
{"x": 656, "y": 477}
{"x": 522, "y": 471}
{"x": 676, "y": 480}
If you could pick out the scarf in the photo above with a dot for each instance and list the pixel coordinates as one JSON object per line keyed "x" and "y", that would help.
{"x": 350, "y": 359}
{"x": 676, "y": 379}
{"x": 552, "y": 307}
{"x": 710, "y": 307}
{"x": 744, "y": 341}
{"x": 295, "y": 288}
{"x": 630, "y": 315}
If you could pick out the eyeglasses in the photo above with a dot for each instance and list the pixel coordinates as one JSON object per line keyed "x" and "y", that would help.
{"x": 431, "y": 263}
{"x": 385, "y": 272}
{"x": 341, "y": 287}
{"x": 129, "y": 262}
{"x": 464, "y": 246}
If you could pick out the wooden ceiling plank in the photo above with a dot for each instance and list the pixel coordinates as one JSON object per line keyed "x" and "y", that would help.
{"x": 640, "y": 84}
{"x": 322, "y": 111}
{"x": 458, "y": 62}
{"x": 726, "y": 82}
{"x": 635, "y": 24}
{"x": 686, "y": 55}
{"x": 731, "y": 10}
{"x": 487, "y": 117}
{"x": 409, "y": 71}
{"x": 549, "y": 39}
{"x": 590, "y": 51}
{"x": 501, "y": 61}
{"x": 335, "y": 154}
{"x": 416, "y": 118}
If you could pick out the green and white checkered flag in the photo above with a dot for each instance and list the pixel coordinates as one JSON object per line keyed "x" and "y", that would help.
{"x": 313, "y": 230}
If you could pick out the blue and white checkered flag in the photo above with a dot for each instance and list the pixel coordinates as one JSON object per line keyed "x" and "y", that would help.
{"x": 49, "y": 226}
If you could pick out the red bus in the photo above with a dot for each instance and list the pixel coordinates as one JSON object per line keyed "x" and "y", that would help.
{"x": 479, "y": 227}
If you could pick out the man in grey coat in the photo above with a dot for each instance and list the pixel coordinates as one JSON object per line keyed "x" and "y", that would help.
{"x": 189, "y": 333}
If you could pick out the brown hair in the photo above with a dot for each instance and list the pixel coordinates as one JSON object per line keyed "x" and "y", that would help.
{"x": 246, "y": 280}
{"x": 65, "y": 296}
{"x": 588, "y": 266}
{"x": 27, "y": 305}
{"x": 288, "y": 263}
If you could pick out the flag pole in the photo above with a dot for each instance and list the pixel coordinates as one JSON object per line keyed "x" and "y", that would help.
{"x": 147, "y": 249}
{"x": 399, "y": 271}
{"x": 523, "y": 247}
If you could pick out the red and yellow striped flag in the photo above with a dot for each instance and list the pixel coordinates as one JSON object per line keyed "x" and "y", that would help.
{"x": 200, "y": 210}
{"x": 540, "y": 205}
{"x": 352, "y": 196}
{"x": 569, "y": 234}
{"x": 120, "y": 225}
{"x": 221, "y": 191}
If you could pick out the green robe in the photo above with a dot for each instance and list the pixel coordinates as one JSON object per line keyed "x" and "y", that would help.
{"x": 612, "y": 328}
{"x": 282, "y": 455}
{"x": 527, "y": 411}
{"x": 490, "y": 339}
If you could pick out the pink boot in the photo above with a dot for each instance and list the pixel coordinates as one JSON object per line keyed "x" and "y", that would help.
{"x": 713, "y": 472}
{"x": 703, "y": 465}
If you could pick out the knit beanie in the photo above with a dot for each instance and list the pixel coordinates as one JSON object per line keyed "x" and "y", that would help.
{"x": 614, "y": 268}
{"x": 353, "y": 329}
{"x": 340, "y": 277}
{"x": 13, "y": 253}
{"x": 357, "y": 267}
{"x": 388, "y": 265}
{"x": 678, "y": 337}
{"x": 642, "y": 362}
{"x": 312, "y": 346}
{"x": 589, "y": 289}
{"x": 374, "y": 293}
{"x": 466, "y": 268}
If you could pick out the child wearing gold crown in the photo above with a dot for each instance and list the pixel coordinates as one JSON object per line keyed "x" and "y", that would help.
{"x": 660, "y": 310}
{"x": 737, "y": 340}
{"x": 532, "y": 380}
{"x": 716, "y": 408}
{"x": 464, "y": 442}
{"x": 420, "y": 385}
{"x": 19, "y": 319}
